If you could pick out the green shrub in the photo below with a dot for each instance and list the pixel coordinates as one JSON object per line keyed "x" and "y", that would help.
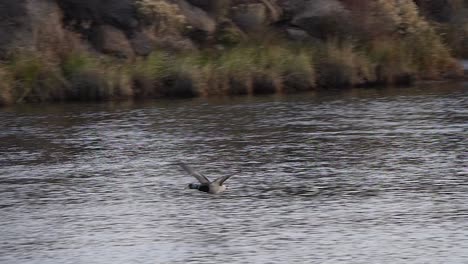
{"x": 119, "y": 79}
{"x": 297, "y": 70}
{"x": 429, "y": 55}
{"x": 36, "y": 79}
{"x": 234, "y": 71}
{"x": 74, "y": 63}
{"x": 6, "y": 86}
{"x": 84, "y": 78}
{"x": 163, "y": 17}
{"x": 148, "y": 74}
{"x": 92, "y": 79}
{"x": 341, "y": 64}
{"x": 162, "y": 74}
{"x": 407, "y": 30}
{"x": 248, "y": 69}
{"x": 228, "y": 34}
{"x": 392, "y": 61}
{"x": 185, "y": 76}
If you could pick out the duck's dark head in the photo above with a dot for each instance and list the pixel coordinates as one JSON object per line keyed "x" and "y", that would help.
{"x": 193, "y": 186}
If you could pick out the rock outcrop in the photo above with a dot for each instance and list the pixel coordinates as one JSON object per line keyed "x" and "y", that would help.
{"x": 119, "y": 28}
{"x": 321, "y": 18}
{"x": 34, "y": 26}
{"x": 84, "y": 14}
{"x": 110, "y": 40}
{"x": 14, "y": 24}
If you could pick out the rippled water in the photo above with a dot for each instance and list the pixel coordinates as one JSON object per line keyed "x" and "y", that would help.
{"x": 358, "y": 176}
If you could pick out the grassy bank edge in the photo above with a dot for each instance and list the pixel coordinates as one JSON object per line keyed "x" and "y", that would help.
{"x": 253, "y": 68}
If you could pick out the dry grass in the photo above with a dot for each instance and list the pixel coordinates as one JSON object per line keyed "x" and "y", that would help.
{"x": 402, "y": 38}
{"x": 429, "y": 55}
{"x": 258, "y": 70}
{"x": 240, "y": 70}
{"x": 167, "y": 75}
{"x": 32, "y": 78}
{"x": 36, "y": 79}
{"x": 91, "y": 79}
{"x": 392, "y": 61}
{"x": 164, "y": 17}
{"x": 341, "y": 64}
{"x": 409, "y": 48}
{"x": 244, "y": 69}
{"x": 6, "y": 86}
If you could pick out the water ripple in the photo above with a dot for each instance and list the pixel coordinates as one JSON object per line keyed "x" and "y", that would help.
{"x": 358, "y": 176}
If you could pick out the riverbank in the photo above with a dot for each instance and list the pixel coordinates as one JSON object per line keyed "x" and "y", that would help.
{"x": 254, "y": 69}
{"x": 135, "y": 49}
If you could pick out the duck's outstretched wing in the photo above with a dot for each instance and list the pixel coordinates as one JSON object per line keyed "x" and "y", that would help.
{"x": 200, "y": 177}
{"x": 222, "y": 179}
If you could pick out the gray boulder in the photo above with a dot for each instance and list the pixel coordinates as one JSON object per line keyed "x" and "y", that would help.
{"x": 13, "y": 22}
{"x": 217, "y": 8}
{"x": 197, "y": 18}
{"x": 297, "y": 34}
{"x": 118, "y": 13}
{"x": 142, "y": 43}
{"x": 254, "y": 15}
{"x": 34, "y": 25}
{"x": 321, "y": 18}
{"x": 250, "y": 17}
{"x": 111, "y": 40}
{"x": 201, "y": 26}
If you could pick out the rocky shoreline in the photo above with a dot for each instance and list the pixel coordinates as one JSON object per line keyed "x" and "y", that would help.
{"x": 60, "y": 50}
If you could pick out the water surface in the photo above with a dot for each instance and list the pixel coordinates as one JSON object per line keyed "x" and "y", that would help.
{"x": 357, "y": 176}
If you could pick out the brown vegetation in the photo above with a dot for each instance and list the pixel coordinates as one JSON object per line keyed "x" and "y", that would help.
{"x": 174, "y": 49}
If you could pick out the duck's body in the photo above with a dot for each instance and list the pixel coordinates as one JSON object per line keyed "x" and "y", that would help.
{"x": 205, "y": 185}
{"x": 209, "y": 188}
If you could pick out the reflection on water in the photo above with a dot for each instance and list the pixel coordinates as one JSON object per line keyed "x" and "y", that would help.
{"x": 358, "y": 176}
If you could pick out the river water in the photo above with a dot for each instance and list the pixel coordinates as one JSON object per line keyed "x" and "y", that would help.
{"x": 356, "y": 176}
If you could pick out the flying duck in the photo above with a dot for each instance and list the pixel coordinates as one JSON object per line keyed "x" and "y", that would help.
{"x": 205, "y": 185}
